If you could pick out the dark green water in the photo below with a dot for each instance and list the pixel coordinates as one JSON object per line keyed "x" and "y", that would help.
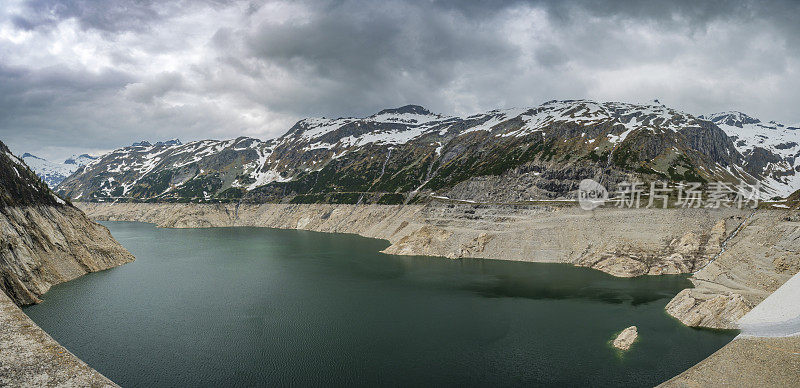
{"x": 249, "y": 306}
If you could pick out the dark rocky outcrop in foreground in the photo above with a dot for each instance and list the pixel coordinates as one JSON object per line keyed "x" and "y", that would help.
{"x": 19, "y": 186}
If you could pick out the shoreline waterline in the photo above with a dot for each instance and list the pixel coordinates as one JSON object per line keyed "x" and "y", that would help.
{"x": 295, "y": 294}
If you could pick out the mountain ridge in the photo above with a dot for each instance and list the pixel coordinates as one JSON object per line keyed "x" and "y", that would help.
{"x": 400, "y": 155}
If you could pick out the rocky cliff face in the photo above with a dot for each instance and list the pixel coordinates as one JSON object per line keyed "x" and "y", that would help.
{"x": 44, "y": 240}
{"x": 45, "y": 245}
{"x": 402, "y": 155}
{"x": 19, "y": 186}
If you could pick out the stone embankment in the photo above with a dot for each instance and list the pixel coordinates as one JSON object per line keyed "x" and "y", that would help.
{"x": 29, "y": 357}
{"x": 758, "y": 255}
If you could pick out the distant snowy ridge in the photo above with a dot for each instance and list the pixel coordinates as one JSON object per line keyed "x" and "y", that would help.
{"x": 80, "y": 160}
{"x": 54, "y": 173}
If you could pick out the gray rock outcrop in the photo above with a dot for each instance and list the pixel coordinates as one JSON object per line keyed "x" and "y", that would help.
{"x": 41, "y": 246}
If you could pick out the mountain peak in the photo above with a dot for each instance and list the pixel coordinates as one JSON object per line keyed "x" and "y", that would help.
{"x": 732, "y": 118}
{"x": 145, "y": 143}
{"x": 397, "y": 150}
{"x": 170, "y": 142}
{"x": 406, "y": 109}
{"x": 53, "y": 173}
{"x": 80, "y": 159}
{"x": 32, "y": 156}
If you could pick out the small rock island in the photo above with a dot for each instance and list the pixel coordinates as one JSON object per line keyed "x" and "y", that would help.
{"x": 626, "y": 338}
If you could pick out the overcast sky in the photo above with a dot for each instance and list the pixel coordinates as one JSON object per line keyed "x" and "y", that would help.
{"x": 88, "y": 76}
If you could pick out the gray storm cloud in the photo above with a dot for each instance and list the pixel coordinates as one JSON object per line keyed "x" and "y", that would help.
{"x": 79, "y": 76}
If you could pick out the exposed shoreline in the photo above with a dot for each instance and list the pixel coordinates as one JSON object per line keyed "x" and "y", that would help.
{"x": 622, "y": 242}
{"x": 737, "y": 258}
{"x": 47, "y": 245}
{"x": 629, "y": 243}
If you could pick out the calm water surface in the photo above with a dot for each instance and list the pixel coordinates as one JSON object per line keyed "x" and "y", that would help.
{"x": 250, "y": 306}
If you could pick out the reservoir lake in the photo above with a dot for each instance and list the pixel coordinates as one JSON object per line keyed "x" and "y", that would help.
{"x": 266, "y": 307}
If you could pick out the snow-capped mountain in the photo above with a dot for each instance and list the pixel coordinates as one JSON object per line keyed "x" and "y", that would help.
{"x": 770, "y": 150}
{"x": 80, "y": 160}
{"x": 397, "y": 154}
{"x": 145, "y": 143}
{"x": 53, "y": 173}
